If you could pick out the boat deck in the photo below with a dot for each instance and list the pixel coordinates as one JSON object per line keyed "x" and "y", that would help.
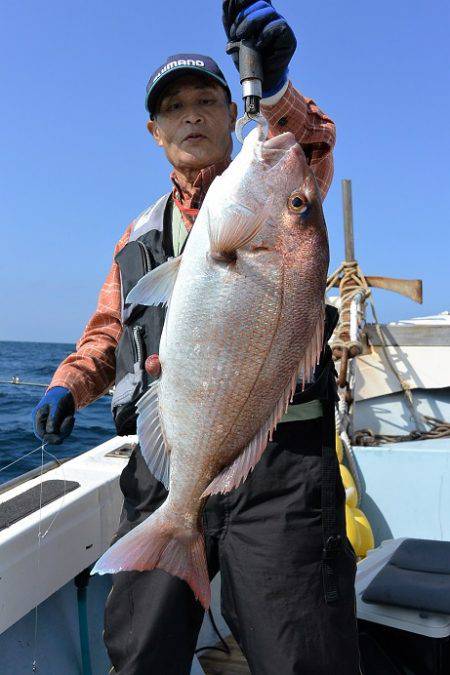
{"x": 216, "y": 662}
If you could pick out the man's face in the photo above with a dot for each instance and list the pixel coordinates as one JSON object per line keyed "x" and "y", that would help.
{"x": 193, "y": 122}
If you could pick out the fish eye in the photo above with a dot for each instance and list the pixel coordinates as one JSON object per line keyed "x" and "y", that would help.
{"x": 297, "y": 204}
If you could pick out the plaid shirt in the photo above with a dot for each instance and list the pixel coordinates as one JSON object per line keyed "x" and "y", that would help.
{"x": 90, "y": 371}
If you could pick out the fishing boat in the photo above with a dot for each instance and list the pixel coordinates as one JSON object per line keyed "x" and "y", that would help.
{"x": 394, "y": 445}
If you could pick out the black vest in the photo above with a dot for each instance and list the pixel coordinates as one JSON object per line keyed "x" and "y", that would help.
{"x": 150, "y": 245}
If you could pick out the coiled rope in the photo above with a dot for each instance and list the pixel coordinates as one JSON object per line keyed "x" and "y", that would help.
{"x": 350, "y": 280}
{"x": 439, "y": 429}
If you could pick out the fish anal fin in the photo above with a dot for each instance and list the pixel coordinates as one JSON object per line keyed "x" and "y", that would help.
{"x": 152, "y": 443}
{"x": 160, "y": 542}
{"x": 155, "y": 288}
{"x": 234, "y": 474}
{"x": 312, "y": 353}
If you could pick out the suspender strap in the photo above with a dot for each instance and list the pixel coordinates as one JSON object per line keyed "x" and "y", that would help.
{"x": 331, "y": 537}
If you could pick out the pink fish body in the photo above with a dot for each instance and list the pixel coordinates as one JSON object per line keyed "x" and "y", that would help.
{"x": 244, "y": 321}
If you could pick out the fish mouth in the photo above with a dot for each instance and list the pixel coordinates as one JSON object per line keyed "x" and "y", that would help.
{"x": 284, "y": 141}
{"x": 272, "y": 150}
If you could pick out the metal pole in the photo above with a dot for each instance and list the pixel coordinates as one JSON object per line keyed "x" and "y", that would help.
{"x": 348, "y": 220}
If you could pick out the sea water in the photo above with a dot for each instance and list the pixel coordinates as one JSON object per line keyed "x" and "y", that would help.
{"x": 36, "y": 362}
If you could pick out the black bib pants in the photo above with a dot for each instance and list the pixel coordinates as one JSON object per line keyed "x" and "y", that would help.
{"x": 267, "y": 540}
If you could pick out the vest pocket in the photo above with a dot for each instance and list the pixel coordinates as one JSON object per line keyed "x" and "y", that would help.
{"x": 131, "y": 378}
{"x": 134, "y": 261}
{"x": 139, "y": 339}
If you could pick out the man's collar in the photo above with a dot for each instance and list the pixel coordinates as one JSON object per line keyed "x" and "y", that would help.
{"x": 191, "y": 196}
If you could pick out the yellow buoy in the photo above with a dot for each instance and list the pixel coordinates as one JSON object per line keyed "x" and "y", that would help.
{"x": 365, "y": 531}
{"x": 353, "y": 531}
{"x": 358, "y": 527}
{"x": 347, "y": 477}
{"x": 339, "y": 448}
{"x": 351, "y": 497}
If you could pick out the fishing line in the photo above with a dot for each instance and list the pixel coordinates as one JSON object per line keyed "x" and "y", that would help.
{"x": 60, "y": 466}
{"x": 20, "y": 458}
{"x": 40, "y": 534}
{"x": 41, "y": 537}
{"x": 34, "y": 667}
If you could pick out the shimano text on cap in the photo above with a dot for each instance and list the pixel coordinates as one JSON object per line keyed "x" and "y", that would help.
{"x": 177, "y": 65}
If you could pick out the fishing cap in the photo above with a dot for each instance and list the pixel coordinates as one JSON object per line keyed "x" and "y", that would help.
{"x": 181, "y": 64}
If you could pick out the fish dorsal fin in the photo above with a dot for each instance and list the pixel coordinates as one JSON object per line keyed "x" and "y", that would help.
{"x": 234, "y": 474}
{"x": 151, "y": 436}
{"x": 228, "y": 234}
{"x": 155, "y": 288}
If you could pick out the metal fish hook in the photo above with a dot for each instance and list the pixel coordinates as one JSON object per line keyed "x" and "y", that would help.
{"x": 245, "y": 119}
{"x": 251, "y": 75}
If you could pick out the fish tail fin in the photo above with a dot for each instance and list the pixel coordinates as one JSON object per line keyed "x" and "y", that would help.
{"x": 160, "y": 542}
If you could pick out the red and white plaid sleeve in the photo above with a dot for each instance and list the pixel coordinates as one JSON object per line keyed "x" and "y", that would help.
{"x": 313, "y": 129}
{"x": 90, "y": 371}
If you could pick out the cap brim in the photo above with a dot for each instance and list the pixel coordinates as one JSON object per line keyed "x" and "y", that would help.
{"x": 157, "y": 88}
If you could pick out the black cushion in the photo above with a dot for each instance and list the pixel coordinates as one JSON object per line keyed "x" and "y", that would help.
{"x": 416, "y": 576}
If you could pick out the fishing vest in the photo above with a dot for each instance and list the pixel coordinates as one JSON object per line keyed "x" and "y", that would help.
{"x": 150, "y": 244}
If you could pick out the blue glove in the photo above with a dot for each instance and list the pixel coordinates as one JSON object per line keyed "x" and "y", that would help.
{"x": 53, "y": 417}
{"x": 258, "y": 21}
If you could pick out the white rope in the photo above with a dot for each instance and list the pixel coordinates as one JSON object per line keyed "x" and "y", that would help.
{"x": 351, "y": 281}
{"x": 342, "y": 425}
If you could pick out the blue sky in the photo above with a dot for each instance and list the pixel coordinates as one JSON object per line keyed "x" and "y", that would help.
{"x": 77, "y": 163}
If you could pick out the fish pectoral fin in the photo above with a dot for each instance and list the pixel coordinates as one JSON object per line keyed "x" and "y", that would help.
{"x": 155, "y": 288}
{"x": 151, "y": 436}
{"x": 227, "y": 235}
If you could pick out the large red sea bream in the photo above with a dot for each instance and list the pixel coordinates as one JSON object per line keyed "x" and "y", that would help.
{"x": 244, "y": 321}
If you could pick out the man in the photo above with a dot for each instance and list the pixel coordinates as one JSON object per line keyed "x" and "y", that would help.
{"x": 279, "y": 539}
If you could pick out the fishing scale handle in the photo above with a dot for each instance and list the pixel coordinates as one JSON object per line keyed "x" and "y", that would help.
{"x": 250, "y": 73}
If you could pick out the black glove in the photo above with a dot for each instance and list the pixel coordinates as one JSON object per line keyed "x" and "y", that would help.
{"x": 258, "y": 21}
{"x": 53, "y": 417}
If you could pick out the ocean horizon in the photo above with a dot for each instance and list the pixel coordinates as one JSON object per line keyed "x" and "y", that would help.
{"x": 35, "y": 362}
